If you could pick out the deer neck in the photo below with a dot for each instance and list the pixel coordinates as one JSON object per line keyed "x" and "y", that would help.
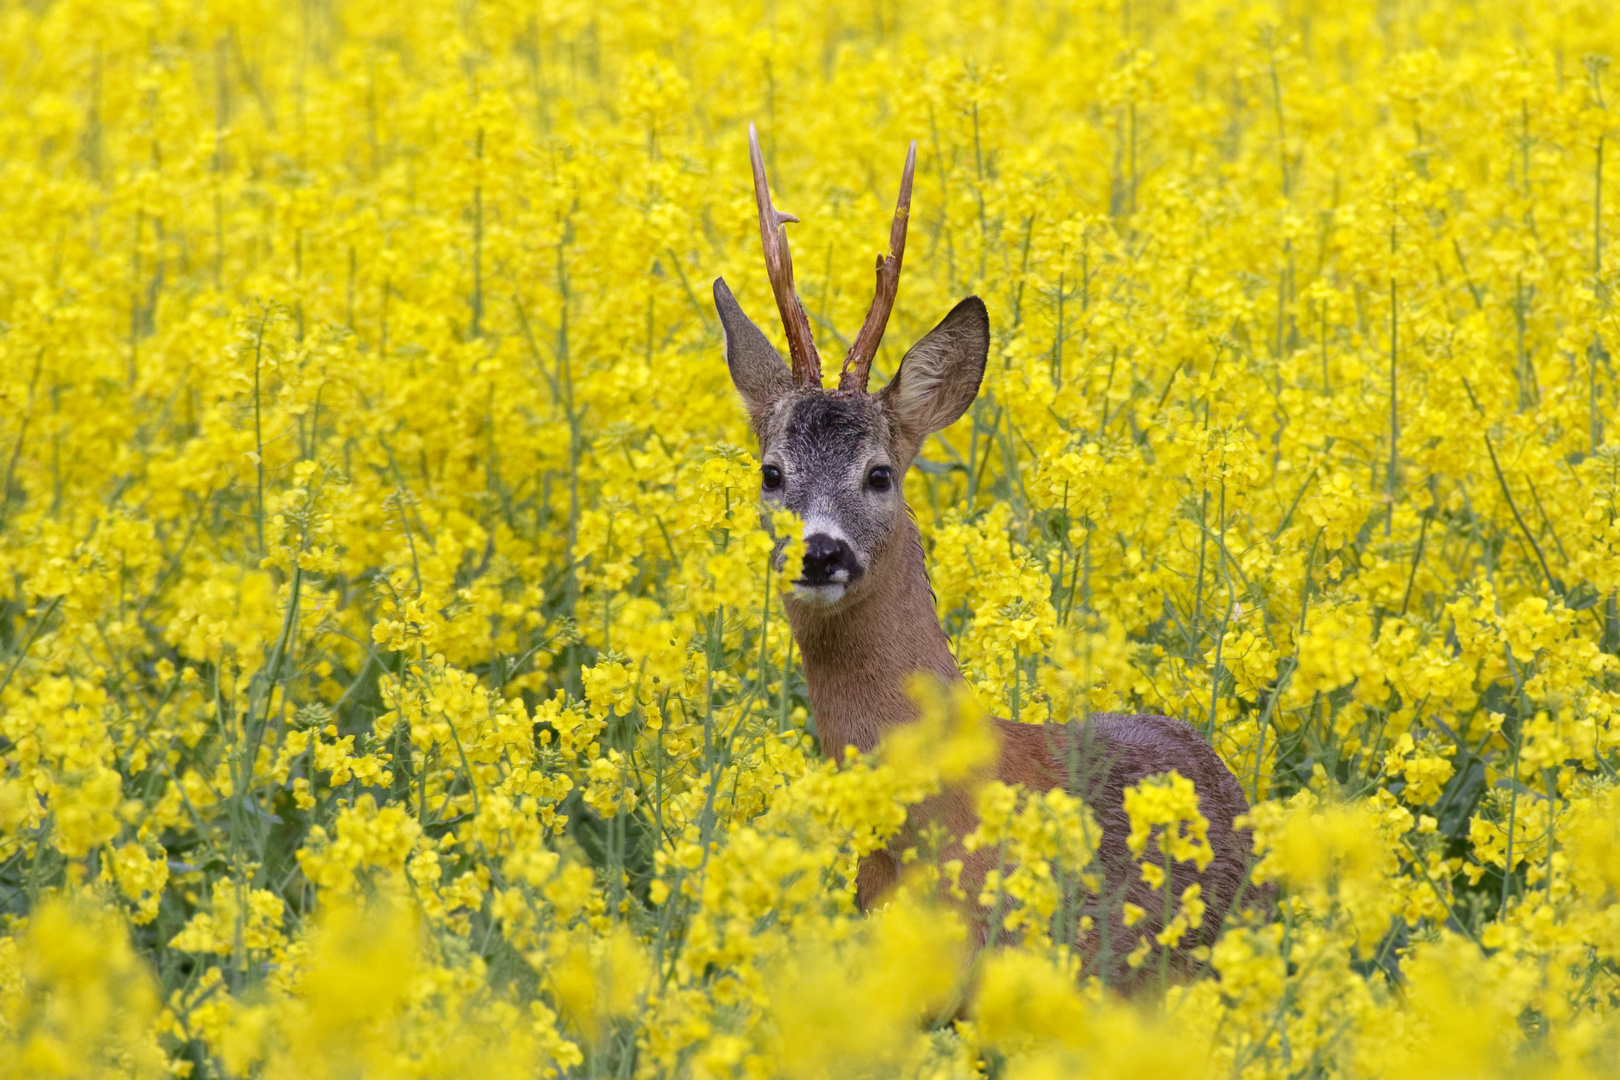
{"x": 859, "y": 657}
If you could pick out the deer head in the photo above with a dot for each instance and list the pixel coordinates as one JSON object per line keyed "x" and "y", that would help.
{"x": 837, "y": 458}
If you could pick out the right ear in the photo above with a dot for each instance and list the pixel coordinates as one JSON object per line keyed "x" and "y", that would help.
{"x": 757, "y": 369}
{"x": 939, "y": 376}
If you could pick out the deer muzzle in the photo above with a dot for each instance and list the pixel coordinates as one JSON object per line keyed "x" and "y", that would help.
{"x": 829, "y": 566}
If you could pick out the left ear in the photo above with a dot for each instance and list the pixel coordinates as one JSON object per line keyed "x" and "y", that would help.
{"x": 940, "y": 375}
{"x": 757, "y": 370}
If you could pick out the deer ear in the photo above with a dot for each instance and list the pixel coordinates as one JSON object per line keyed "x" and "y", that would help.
{"x": 757, "y": 369}
{"x": 939, "y": 376}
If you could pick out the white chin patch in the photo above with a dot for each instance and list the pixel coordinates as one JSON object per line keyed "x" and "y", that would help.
{"x": 819, "y": 595}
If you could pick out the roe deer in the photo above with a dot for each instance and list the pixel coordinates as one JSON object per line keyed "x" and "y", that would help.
{"x": 862, "y": 610}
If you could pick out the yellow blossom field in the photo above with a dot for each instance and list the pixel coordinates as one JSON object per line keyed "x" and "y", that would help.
{"x": 392, "y": 679}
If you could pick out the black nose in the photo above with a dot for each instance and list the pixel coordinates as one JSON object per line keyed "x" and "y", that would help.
{"x": 825, "y": 556}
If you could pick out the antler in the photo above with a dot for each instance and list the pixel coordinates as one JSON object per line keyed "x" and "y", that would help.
{"x": 858, "y": 365}
{"x": 805, "y": 361}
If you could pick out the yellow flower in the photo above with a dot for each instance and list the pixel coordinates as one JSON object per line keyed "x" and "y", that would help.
{"x": 597, "y": 981}
{"x": 1168, "y": 804}
{"x": 390, "y": 642}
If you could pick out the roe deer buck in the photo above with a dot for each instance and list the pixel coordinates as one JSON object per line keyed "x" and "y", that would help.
{"x": 863, "y": 613}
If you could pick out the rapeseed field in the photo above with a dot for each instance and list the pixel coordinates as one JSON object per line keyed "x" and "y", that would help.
{"x": 392, "y": 679}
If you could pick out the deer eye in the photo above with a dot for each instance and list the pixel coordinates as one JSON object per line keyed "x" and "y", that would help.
{"x": 771, "y": 477}
{"x": 881, "y": 478}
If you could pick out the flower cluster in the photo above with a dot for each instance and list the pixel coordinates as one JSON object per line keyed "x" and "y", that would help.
{"x": 393, "y": 676}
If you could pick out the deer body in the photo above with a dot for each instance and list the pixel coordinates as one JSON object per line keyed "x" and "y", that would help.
{"x": 857, "y": 661}
{"x": 863, "y": 612}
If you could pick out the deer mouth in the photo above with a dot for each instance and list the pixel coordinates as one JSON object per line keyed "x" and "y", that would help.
{"x": 819, "y": 593}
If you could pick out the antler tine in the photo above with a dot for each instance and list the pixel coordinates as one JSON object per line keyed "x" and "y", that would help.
{"x": 805, "y": 361}
{"x": 858, "y": 365}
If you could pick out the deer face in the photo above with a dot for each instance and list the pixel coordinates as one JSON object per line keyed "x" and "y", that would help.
{"x": 831, "y": 459}
{"x": 837, "y": 458}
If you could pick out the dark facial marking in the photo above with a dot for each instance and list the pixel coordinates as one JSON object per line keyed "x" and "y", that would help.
{"x": 829, "y": 429}
{"x": 832, "y": 416}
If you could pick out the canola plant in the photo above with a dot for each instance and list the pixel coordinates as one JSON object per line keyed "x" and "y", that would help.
{"x": 392, "y": 679}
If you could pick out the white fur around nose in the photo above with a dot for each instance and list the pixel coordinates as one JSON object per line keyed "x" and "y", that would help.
{"x": 825, "y": 525}
{"x": 820, "y": 595}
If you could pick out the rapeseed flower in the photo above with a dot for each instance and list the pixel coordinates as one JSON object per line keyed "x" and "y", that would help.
{"x": 393, "y": 674}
